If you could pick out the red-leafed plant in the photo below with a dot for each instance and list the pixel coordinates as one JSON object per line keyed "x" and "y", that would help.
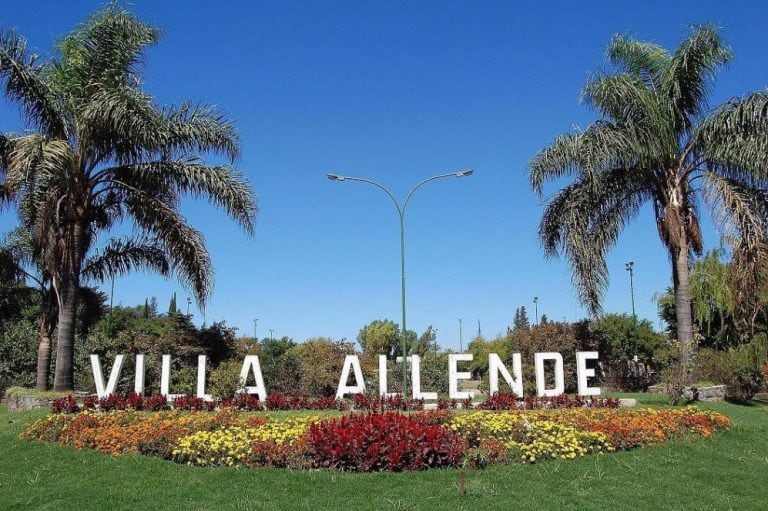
{"x": 156, "y": 403}
{"x": 378, "y": 442}
{"x": 186, "y": 402}
{"x": 90, "y": 402}
{"x": 113, "y": 402}
{"x": 65, "y": 405}
{"x": 135, "y": 401}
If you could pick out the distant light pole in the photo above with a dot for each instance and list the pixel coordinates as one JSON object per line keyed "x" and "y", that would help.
{"x": 401, "y": 215}
{"x": 189, "y": 302}
{"x": 255, "y": 324}
{"x": 630, "y": 268}
{"x": 461, "y": 341}
{"x": 536, "y": 310}
{"x": 270, "y": 334}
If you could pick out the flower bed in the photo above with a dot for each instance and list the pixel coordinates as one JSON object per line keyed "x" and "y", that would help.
{"x": 373, "y": 441}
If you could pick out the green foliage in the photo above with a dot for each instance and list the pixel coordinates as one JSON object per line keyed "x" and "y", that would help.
{"x": 382, "y": 337}
{"x": 739, "y": 368}
{"x": 279, "y": 366}
{"x": 521, "y": 321}
{"x": 621, "y": 337}
{"x": 426, "y": 343}
{"x": 154, "y": 336}
{"x": 18, "y": 353}
{"x": 320, "y": 361}
{"x": 480, "y": 349}
{"x": 172, "y": 309}
{"x": 224, "y": 381}
{"x": 563, "y": 338}
{"x": 719, "y": 319}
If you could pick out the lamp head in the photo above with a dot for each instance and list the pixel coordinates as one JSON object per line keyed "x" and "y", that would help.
{"x": 336, "y": 177}
{"x": 464, "y": 173}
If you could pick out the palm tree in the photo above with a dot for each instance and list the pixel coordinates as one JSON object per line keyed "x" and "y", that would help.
{"x": 656, "y": 142}
{"x": 99, "y": 152}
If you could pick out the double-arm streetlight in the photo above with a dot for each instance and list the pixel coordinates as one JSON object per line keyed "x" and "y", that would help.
{"x": 401, "y": 215}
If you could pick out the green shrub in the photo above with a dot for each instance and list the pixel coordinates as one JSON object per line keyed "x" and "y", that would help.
{"x": 225, "y": 379}
{"x": 737, "y": 368}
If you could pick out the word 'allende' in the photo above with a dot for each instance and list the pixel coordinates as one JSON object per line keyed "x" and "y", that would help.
{"x": 352, "y": 364}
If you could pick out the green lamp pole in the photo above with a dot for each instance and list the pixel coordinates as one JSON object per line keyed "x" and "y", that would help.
{"x": 401, "y": 215}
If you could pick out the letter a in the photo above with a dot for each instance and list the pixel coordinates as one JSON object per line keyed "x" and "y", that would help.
{"x": 351, "y": 362}
{"x": 251, "y": 363}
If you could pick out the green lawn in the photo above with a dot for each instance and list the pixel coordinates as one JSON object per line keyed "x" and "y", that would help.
{"x": 727, "y": 472}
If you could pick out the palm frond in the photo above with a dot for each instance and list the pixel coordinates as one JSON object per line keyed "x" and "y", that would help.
{"x": 601, "y": 146}
{"x": 583, "y": 222}
{"x": 189, "y": 129}
{"x": 689, "y": 77}
{"x": 642, "y": 59}
{"x": 224, "y": 186}
{"x": 733, "y": 140}
{"x": 183, "y": 245}
{"x": 739, "y": 209}
{"x": 24, "y": 84}
{"x": 103, "y": 53}
{"x": 121, "y": 256}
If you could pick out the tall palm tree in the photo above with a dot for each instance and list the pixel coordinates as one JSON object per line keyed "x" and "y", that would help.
{"x": 656, "y": 142}
{"x": 99, "y": 152}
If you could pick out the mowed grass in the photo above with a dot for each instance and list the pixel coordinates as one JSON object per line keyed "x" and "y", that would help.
{"x": 729, "y": 471}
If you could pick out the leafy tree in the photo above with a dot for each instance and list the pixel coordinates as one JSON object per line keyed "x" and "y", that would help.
{"x": 279, "y": 365}
{"x": 544, "y": 319}
{"x": 724, "y": 314}
{"x": 97, "y": 151}
{"x": 655, "y": 136}
{"x": 426, "y": 343}
{"x": 621, "y": 337}
{"x": 382, "y": 337}
{"x": 320, "y": 363}
{"x": 481, "y": 348}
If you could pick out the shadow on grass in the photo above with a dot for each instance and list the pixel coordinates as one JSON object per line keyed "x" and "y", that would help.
{"x": 761, "y": 403}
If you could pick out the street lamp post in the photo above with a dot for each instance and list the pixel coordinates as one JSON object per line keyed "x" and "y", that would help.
{"x": 536, "y": 310}
{"x": 461, "y": 338}
{"x": 255, "y": 324}
{"x": 271, "y": 332}
{"x": 401, "y": 215}
{"x": 630, "y": 267}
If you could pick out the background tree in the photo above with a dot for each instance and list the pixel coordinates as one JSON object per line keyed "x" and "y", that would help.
{"x": 382, "y": 337}
{"x": 521, "y": 321}
{"x": 655, "y": 137}
{"x": 97, "y": 151}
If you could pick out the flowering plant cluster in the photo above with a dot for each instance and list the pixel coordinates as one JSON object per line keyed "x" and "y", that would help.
{"x": 158, "y": 402}
{"x": 365, "y": 441}
{"x": 505, "y": 401}
{"x": 388, "y": 441}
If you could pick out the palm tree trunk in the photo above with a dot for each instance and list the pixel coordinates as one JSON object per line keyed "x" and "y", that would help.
{"x": 67, "y": 294}
{"x": 681, "y": 278}
{"x": 43, "y": 356}
{"x": 65, "y": 340}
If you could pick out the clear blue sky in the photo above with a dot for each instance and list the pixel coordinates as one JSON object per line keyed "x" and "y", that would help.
{"x": 397, "y": 91}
